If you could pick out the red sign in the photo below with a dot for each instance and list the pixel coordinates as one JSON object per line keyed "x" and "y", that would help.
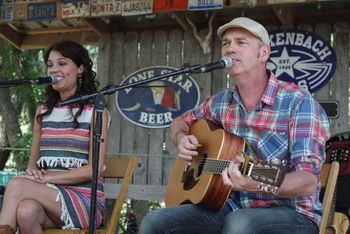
{"x": 169, "y": 5}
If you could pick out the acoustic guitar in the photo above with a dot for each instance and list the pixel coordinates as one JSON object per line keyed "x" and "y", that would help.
{"x": 201, "y": 182}
{"x": 337, "y": 223}
{"x": 337, "y": 150}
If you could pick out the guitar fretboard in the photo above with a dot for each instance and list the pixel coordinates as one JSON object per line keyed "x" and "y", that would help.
{"x": 214, "y": 166}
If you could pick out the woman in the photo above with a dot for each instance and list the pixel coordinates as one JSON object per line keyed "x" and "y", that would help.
{"x": 55, "y": 191}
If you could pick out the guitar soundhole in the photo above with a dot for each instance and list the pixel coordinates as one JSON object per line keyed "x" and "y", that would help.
{"x": 202, "y": 160}
{"x": 189, "y": 182}
{"x": 191, "y": 176}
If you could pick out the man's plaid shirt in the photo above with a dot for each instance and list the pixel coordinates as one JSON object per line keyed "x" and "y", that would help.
{"x": 288, "y": 124}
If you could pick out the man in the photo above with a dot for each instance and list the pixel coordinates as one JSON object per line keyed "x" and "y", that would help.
{"x": 280, "y": 121}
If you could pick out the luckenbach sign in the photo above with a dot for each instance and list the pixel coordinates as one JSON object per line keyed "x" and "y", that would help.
{"x": 156, "y": 103}
{"x": 301, "y": 57}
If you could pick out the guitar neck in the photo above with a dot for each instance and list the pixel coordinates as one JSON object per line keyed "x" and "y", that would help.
{"x": 216, "y": 166}
{"x": 330, "y": 219}
{"x": 270, "y": 174}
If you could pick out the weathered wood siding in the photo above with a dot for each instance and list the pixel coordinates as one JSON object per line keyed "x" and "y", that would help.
{"x": 124, "y": 53}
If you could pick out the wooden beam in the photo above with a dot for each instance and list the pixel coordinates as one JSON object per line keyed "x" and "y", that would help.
{"x": 98, "y": 25}
{"x": 180, "y": 19}
{"x": 332, "y": 16}
{"x": 271, "y": 2}
{"x": 57, "y": 30}
{"x": 284, "y": 14}
{"x": 44, "y": 40}
{"x": 11, "y": 35}
{"x": 136, "y": 191}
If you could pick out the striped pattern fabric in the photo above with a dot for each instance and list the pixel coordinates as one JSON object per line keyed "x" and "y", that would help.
{"x": 288, "y": 124}
{"x": 64, "y": 147}
{"x": 75, "y": 200}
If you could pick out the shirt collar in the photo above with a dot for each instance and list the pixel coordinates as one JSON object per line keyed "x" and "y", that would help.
{"x": 269, "y": 94}
{"x": 271, "y": 89}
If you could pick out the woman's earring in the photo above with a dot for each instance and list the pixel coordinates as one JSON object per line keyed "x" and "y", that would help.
{"x": 80, "y": 80}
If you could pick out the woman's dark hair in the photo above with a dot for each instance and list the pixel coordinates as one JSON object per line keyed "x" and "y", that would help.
{"x": 80, "y": 56}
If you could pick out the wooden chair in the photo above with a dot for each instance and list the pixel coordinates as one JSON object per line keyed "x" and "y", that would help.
{"x": 329, "y": 176}
{"x": 117, "y": 168}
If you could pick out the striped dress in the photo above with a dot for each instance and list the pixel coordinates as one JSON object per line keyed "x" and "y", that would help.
{"x": 64, "y": 147}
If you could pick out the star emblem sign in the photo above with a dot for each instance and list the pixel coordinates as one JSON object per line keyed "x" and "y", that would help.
{"x": 285, "y": 63}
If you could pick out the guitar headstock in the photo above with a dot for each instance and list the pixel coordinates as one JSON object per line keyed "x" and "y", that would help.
{"x": 267, "y": 173}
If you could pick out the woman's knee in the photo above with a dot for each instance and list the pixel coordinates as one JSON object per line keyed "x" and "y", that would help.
{"x": 28, "y": 211}
{"x": 16, "y": 187}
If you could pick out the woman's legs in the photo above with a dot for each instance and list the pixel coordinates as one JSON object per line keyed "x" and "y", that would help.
{"x": 23, "y": 198}
{"x": 32, "y": 218}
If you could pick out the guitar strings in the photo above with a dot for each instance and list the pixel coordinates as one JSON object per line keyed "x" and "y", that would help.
{"x": 217, "y": 166}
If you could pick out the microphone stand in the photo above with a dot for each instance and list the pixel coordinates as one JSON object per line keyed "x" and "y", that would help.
{"x": 114, "y": 88}
{"x": 9, "y": 83}
{"x": 99, "y": 106}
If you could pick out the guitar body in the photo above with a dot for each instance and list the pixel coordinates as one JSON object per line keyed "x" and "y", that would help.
{"x": 340, "y": 224}
{"x": 191, "y": 184}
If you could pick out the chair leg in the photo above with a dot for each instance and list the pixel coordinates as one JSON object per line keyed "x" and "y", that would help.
{"x": 6, "y": 229}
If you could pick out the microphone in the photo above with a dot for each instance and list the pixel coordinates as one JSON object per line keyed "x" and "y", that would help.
{"x": 225, "y": 62}
{"x": 41, "y": 80}
{"x": 52, "y": 79}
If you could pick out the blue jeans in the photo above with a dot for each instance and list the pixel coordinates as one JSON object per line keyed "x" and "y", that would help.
{"x": 195, "y": 219}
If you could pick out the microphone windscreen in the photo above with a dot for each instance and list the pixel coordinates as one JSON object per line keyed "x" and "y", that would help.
{"x": 228, "y": 61}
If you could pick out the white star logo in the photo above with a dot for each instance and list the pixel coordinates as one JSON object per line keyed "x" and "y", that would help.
{"x": 285, "y": 63}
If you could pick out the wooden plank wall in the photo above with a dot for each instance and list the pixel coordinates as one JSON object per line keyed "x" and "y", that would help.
{"x": 124, "y": 53}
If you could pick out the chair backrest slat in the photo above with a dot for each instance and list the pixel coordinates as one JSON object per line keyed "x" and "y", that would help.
{"x": 115, "y": 167}
{"x": 328, "y": 179}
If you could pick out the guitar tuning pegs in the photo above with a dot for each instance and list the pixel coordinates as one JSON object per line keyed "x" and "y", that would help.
{"x": 261, "y": 186}
{"x": 274, "y": 190}
{"x": 269, "y": 160}
{"x": 267, "y": 188}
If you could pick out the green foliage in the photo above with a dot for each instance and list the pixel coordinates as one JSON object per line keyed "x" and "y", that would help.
{"x": 127, "y": 221}
{"x": 123, "y": 220}
{"x": 21, "y": 158}
{"x": 6, "y": 61}
{"x": 154, "y": 205}
{"x": 21, "y": 64}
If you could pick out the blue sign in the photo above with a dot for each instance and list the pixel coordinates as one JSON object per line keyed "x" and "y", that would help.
{"x": 6, "y": 13}
{"x": 201, "y": 5}
{"x": 301, "y": 57}
{"x": 41, "y": 11}
{"x": 156, "y": 103}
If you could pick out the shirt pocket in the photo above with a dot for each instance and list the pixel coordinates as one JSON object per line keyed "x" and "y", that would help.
{"x": 272, "y": 145}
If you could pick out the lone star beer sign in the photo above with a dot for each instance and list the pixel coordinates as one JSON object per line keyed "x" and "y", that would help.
{"x": 301, "y": 57}
{"x": 156, "y": 103}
